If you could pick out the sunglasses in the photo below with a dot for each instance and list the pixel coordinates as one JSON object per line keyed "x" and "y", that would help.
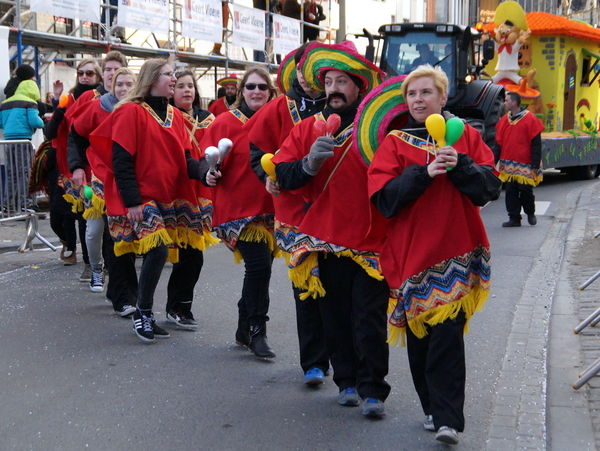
{"x": 89, "y": 73}
{"x": 253, "y": 86}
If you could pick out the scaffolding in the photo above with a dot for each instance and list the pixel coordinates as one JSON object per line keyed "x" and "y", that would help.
{"x": 41, "y": 39}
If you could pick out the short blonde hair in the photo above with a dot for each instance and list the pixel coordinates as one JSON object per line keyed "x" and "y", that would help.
{"x": 439, "y": 77}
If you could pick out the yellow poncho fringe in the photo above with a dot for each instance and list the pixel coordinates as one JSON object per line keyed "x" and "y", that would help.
{"x": 302, "y": 278}
{"x": 471, "y": 303}
{"x": 76, "y": 204}
{"x": 521, "y": 179}
{"x": 97, "y": 210}
{"x": 257, "y": 235}
{"x": 182, "y": 237}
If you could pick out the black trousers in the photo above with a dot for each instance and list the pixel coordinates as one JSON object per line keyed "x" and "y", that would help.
{"x": 254, "y": 303}
{"x": 152, "y": 266}
{"x": 437, "y": 365}
{"x": 183, "y": 279}
{"x": 311, "y": 336}
{"x": 122, "y": 277}
{"x": 355, "y": 324}
{"x": 519, "y": 195}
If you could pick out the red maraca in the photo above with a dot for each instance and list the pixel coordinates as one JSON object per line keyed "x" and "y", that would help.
{"x": 333, "y": 123}
{"x": 319, "y": 127}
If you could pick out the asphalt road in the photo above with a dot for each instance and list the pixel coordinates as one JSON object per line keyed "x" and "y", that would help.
{"x": 74, "y": 376}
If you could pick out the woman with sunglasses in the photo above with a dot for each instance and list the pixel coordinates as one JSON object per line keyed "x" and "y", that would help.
{"x": 243, "y": 212}
{"x": 62, "y": 213}
{"x": 186, "y": 272}
{"x": 151, "y": 204}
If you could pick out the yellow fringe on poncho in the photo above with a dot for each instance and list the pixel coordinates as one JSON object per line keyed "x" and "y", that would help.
{"x": 302, "y": 277}
{"x": 471, "y": 303}
{"x": 97, "y": 210}
{"x": 182, "y": 237}
{"x": 76, "y": 204}
{"x": 535, "y": 181}
{"x": 255, "y": 234}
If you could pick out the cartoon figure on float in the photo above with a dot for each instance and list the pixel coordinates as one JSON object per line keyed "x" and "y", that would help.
{"x": 511, "y": 33}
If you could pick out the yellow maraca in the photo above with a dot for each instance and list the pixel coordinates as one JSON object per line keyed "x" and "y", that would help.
{"x": 436, "y": 126}
{"x": 268, "y": 166}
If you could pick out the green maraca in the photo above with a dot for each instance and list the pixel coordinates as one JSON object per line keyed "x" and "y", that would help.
{"x": 87, "y": 191}
{"x": 454, "y": 130}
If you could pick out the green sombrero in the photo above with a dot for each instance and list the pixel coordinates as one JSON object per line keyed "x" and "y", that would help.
{"x": 319, "y": 58}
{"x": 286, "y": 74}
{"x": 375, "y": 114}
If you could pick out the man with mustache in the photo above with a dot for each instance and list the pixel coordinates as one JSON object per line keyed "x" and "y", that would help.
{"x": 339, "y": 251}
{"x": 224, "y": 104}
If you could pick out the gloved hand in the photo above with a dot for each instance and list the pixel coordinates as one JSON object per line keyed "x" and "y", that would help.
{"x": 321, "y": 149}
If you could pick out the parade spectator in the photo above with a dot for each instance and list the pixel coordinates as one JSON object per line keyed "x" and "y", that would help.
{"x": 438, "y": 267}
{"x": 519, "y": 135}
{"x": 225, "y": 103}
{"x": 267, "y": 130}
{"x": 22, "y": 73}
{"x": 243, "y": 210}
{"x": 339, "y": 242}
{"x": 19, "y": 118}
{"x": 151, "y": 204}
{"x": 313, "y": 13}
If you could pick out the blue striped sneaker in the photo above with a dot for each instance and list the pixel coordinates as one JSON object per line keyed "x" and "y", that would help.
{"x": 314, "y": 377}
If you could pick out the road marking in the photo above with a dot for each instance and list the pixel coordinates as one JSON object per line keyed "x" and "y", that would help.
{"x": 541, "y": 206}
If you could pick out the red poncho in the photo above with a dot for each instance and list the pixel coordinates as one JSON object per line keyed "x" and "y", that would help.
{"x": 238, "y": 193}
{"x": 340, "y": 208}
{"x": 158, "y": 150}
{"x": 268, "y": 129}
{"x": 219, "y": 107}
{"x": 514, "y": 137}
{"x": 436, "y": 250}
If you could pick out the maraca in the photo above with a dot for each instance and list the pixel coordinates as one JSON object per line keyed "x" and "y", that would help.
{"x": 319, "y": 127}
{"x": 454, "y": 130}
{"x": 268, "y": 166}
{"x": 436, "y": 126}
{"x": 211, "y": 155}
{"x": 87, "y": 191}
{"x": 333, "y": 123}
{"x": 64, "y": 99}
{"x": 224, "y": 147}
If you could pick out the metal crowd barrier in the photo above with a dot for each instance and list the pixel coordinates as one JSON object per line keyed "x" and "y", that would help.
{"x": 16, "y": 158}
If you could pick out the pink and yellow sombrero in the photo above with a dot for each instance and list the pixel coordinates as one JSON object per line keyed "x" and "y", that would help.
{"x": 319, "y": 58}
{"x": 228, "y": 80}
{"x": 381, "y": 110}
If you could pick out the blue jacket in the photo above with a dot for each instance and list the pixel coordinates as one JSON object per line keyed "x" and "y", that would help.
{"x": 19, "y": 114}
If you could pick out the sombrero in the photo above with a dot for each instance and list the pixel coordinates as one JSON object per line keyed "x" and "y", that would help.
{"x": 512, "y": 11}
{"x": 228, "y": 80}
{"x": 287, "y": 72}
{"x": 523, "y": 90}
{"x": 319, "y": 58}
{"x": 375, "y": 114}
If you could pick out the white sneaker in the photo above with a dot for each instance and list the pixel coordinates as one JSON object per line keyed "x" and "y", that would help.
{"x": 447, "y": 435}
{"x": 428, "y": 423}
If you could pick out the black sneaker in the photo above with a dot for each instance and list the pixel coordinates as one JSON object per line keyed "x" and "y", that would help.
{"x": 142, "y": 326}
{"x": 97, "y": 282}
{"x": 531, "y": 219}
{"x": 159, "y": 332}
{"x": 512, "y": 223}
{"x": 183, "y": 319}
{"x": 125, "y": 310}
